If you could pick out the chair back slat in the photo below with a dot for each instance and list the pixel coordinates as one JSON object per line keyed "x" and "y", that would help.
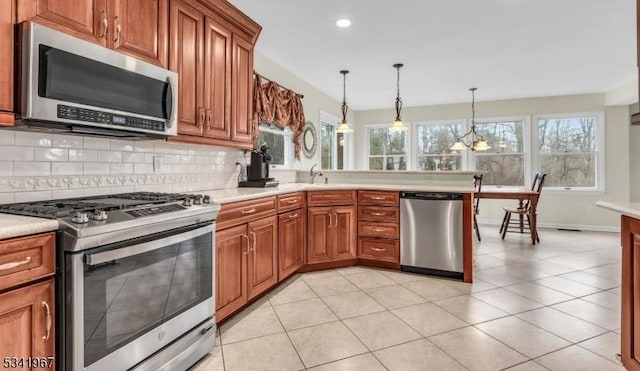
{"x": 477, "y": 185}
{"x": 538, "y": 183}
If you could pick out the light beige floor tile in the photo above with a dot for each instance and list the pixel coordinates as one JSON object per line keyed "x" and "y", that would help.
{"x": 325, "y": 343}
{"x": 527, "y": 366}
{"x": 331, "y": 285}
{"x": 310, "y": 276}
{"x": 539, "y": 293}
{"x": 567, "y": 286}
{"x": 304, "y": 313}
{"x": 605, "y": 299}
{"x": 273, "y": 352}
{"x": 368, "y": 280}
{"x": 288, "y": 293}
{"x": 497, "y": 277}
{"x": 477, "y": 350}
{"x": 523, "y": 336}
{"x": 352, "y": 304}
{"x": 546, "y": 267}
{"x": 567, "y": 327}
{"x": 381, "y": 330}
{"x": 250, "y": 324}
{"x": 394, "y": 296}
{"x": 487, "y": 261}
{"x": 352, "y": 270}
{"x": 606, "y": 345}
{"x": 591, "y": 279}
{"x": 576, "y": 358}
{"x": 211, "y": 362}
{"x": 415, "y": 356}
{"x": 403, "y": 277}
{"x": 362, "y": 362}
{"x": 590, "y": 312}
{"x": 429, "y": 319}
{"x": 470, "y": 309}
{"x": 467, "y": 288}
{"x": 506, "y": 300}
{"x": 616, "y": 290}
{"x": 432, "y": 289}
{"x": 610, "y": 271}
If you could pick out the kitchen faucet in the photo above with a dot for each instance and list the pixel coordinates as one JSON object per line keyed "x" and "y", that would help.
{"x": 313, "y": 174}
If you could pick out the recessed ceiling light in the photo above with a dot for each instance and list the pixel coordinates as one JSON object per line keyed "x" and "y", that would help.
{"x": 343, "y": 23}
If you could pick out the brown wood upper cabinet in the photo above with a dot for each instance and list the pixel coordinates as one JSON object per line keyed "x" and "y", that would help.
{"x": 6, "y": 66}
{"x": 134, "y": 27}
{"x": 214, "y": 59}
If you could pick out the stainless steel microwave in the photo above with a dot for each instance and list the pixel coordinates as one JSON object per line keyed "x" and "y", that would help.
{"x": 71, "y": 85}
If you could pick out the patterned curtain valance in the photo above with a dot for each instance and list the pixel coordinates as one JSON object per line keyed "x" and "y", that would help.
{"x": 274, "y": 104}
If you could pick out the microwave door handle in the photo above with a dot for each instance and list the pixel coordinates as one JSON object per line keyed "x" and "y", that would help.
{"x": 115, "y": 254}
{"x": 169, "y": 103}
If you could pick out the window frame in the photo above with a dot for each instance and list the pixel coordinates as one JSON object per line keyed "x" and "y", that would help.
{"x": 408, "y": 144}
{"x": 287, "y": 133}
{"x": 347, "y": 157}
{"x": 414, "y": 142}
{"x": 600, "y": 141}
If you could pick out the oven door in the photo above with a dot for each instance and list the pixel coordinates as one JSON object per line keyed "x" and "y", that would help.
{"x": 130, "y": 299}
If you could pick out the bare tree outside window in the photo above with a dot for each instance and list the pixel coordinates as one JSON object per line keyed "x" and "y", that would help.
{"x": 387, "y": 150}
{"x": 278, "y": 141}
{"x": 504, "y": 162}
{"x": 433, "y": 144}
{"x": 567, "y": 150}
{"x": 327, "y": 142}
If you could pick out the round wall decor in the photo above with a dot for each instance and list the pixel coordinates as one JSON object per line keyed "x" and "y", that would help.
{"x": 309, "y": 139}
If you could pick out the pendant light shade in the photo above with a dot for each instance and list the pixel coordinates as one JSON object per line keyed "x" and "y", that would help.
{"x": 344, "y": 125}
{"x": 471, "y": 139}
{"x": 398, "y": 125}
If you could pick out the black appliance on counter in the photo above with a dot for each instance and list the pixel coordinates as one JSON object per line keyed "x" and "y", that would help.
{"x": 258, "y": 171}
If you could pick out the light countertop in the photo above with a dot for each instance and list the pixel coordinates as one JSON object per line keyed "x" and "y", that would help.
{"x": 631, "y": 209}
{"x": 17, "y": 226}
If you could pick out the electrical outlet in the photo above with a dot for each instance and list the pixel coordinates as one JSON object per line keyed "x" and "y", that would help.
{"x": 157, "y": 163}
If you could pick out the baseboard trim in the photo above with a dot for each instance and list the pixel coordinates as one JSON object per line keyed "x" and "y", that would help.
{"x": 582, "y": 227}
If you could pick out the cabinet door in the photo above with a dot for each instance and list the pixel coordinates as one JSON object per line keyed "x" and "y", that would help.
{"x": 87, "y": 19}
{"x": 139, "y": 28}
{"x": 291, "y": 244}
{"x": 630, "y": 292}
{"x": 6, "y": 56}
{"x": 231, "y": 256}
{"x": 344, "y": 232}
{"x": 27, "y": 321}
{"x": 262, "y": 265}
{"x": 186, "y": 58}
{"x": 217, "y": 80}
{"x": 242, "y": 88}
{"x": 319, "y": 221}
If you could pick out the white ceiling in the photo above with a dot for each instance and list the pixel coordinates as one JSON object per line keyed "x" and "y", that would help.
{"x": 506, "y": 48}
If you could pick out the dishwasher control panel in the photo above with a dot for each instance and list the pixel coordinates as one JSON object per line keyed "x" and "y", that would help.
{"x": 431, "y": 195}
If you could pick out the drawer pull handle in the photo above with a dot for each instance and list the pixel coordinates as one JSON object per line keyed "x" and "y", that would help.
{"x": 378, "y": 249}
{"x": 293, "y": 216}
{"x": 47, "y": 320}
{"x": 378, "y": 229}
{"x": 378, "y": 198}
{"x": 292, "y": 201}
{"x": 250, "y": 211}
{"x": 12, "y": 265}
{"x": 377, "y": 213}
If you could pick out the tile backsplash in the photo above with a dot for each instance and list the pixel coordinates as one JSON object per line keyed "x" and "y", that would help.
{"x": 39, "y": 166}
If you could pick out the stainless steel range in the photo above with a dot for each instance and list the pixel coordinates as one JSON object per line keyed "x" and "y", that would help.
{"x": 135, "y": 284}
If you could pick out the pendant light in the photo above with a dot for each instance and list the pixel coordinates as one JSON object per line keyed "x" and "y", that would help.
{"x": 344, "y": 125}
{"x": 473, "y": 141}
{"x": 398, "y": 125}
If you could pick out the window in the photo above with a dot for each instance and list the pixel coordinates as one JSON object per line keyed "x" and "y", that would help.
{"x": 569, "y": 149}
{"x": 333, "y": 155}
{"x": 280, "y": 142}
{"x": 505, "y": 161}
{"x": 387, "y": 150}
{"x": 433, "y": 142}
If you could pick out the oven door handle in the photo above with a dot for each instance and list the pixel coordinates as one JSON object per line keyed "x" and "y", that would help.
{"x": 103, "y": 257}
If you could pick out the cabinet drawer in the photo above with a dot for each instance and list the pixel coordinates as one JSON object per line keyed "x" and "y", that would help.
{"x": 244, "y": 211}
{"x": 376, "y": 229}
{"x": 26, "y": 259}
{"x": 290, "y": 201}
{"x": 371, "y": 248}
{"x": 379, "y": 213}
{"x": 325, "y": 198}
{"x": 380, "y": 198}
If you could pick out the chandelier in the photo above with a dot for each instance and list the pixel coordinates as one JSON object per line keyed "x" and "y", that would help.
{"x": 344, "y": 125}
{"x": 398, "y": 125}
{"x": 471, "y": 139}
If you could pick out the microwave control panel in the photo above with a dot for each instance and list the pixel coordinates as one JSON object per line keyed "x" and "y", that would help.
{"x": 100, "y": 117}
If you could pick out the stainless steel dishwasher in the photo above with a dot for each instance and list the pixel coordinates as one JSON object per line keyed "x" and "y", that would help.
{"x": 431, "y": 233}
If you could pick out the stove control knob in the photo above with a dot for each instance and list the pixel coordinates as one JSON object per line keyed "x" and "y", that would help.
{"x": 80, "y": 218}
{"x": 99, "y": 215}
{"x": 206, "y": 199}
{"x": 188, "y": 201}
{"x": 197, "y": 200}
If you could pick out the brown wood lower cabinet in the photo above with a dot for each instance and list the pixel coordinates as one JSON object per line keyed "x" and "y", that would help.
{"x": 291, "y": 243}
{"x": 630, "y": 326}
{"x": 27, "y": 323}
{"x": 263, "y": 255}
{"x": 332, "y": 233}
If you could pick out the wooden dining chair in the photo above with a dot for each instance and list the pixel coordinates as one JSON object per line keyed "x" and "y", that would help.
{"x": 522, "y": 212}
{"x": 477, "y": 186}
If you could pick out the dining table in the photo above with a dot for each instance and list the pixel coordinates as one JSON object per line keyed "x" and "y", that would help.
{"x": 520, "y": 194}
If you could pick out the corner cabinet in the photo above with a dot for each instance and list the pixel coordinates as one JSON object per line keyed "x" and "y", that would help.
{"x": 332, "y": 226}
{"x": 630, "y": 325}
{"x": 211, "y": 48}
